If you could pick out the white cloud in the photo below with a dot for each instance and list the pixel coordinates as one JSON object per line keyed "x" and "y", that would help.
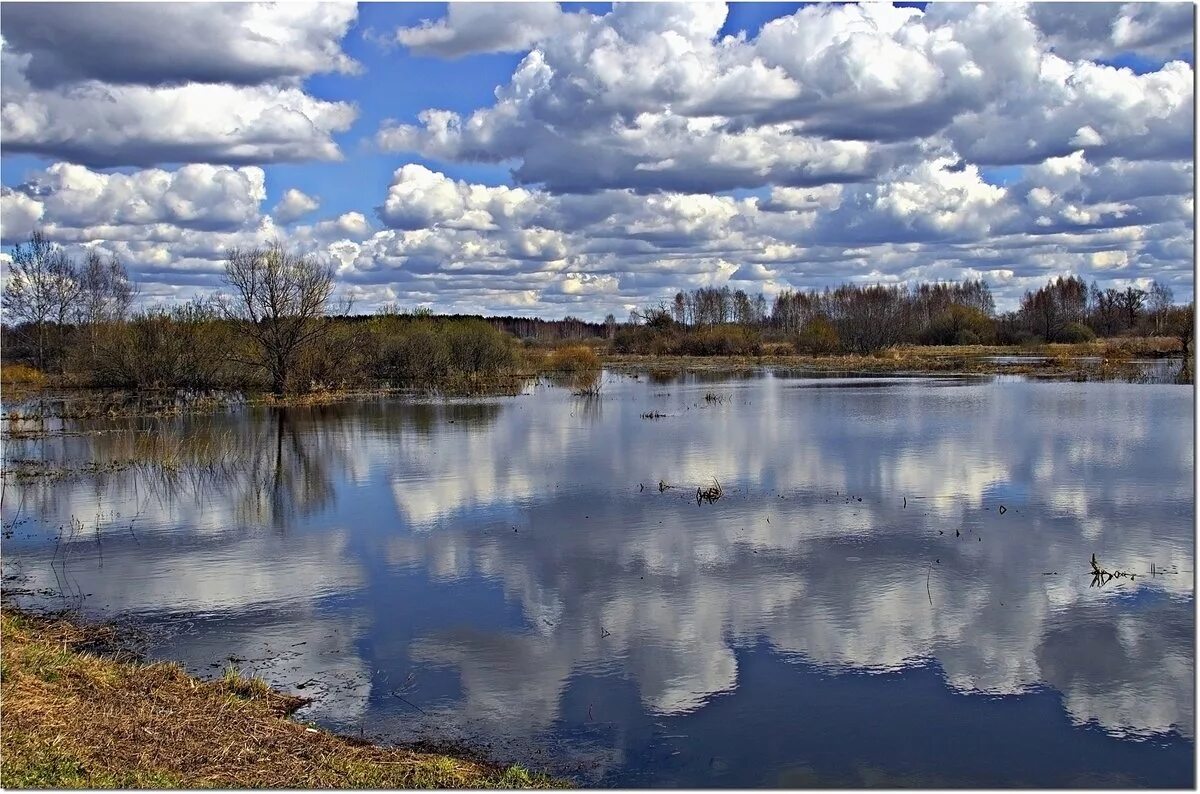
{"x": 203, "y": 197}
{"x": 293, "y": 205}
{"x": 647, "y": 97}
{"x": 19, "y": 215}
{"x": 104, "y": 125}
{"x": 163, "y": 43}
{"x": 1106, "y": 30}
{"x": 470, "y": 28}
{"x": 102, "y": 85}
{"x": 864, "y": 138}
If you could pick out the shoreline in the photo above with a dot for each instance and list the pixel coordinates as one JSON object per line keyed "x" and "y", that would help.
{"x": 83, "y": 710}
{"x": 1105, "y": 360}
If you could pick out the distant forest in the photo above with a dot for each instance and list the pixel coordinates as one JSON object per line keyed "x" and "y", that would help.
{"x": 276, "y": 325}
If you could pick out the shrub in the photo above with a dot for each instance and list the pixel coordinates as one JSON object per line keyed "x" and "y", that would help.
{"x": 966, "y": 337}
{"x": 184, "y": 346}
{"x": 478, "y": 349}
{"x": 423, "y": 351}
{"x": 721, "y": 340}
{"x": 576, "y": 358}
{"x": 1076, "y": 332}
{"x": 337, "y": 358}
{"x": 642, "y": 340}
{"x": 1016, "y": 336}
{"x": 818, "y": 336}
{"x": 956, "y": 324}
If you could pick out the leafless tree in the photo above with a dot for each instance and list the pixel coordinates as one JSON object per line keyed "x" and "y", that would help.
{"x": 105, "y": 294}
{"x": 1159, "y": 303}
{"x": 279, "y": 304}
{"x": 40, "y": 292}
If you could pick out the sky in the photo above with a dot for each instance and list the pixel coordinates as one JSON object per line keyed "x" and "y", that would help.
{"x": 547, "y": 159}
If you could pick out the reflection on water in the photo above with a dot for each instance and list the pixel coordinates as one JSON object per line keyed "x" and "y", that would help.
{"x": 856, "y": 609}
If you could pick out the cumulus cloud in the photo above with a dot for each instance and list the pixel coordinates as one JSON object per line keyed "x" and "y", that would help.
{"x": 464, "y": 246}
{"x": 19, "y": 215}
{"x": 470, "y": 28}
{"x": 167, "y": 43}
{"x": 144, "y": 84}
{"x": 103, "y": 125}
{"x": 648, "y": 152}
{"x": 419, "y": 197}
{"x": 293, "y": 205}
{"x": 202, "y": 197}
{"x": 649, "y": 97}
{"x": 1105, "y": 30}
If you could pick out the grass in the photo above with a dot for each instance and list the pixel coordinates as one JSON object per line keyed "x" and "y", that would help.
{"x": 575, "y": 358}
{"x": 22, "y": 375}
{"x": 1116, "y": 359}
{"x": 81, "y": 713}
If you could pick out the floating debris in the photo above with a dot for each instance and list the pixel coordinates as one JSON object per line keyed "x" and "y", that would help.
{"x": 710, "y": 494}
{"x": 653, "y": 415}
{"x": 1003, "y": 509}
{"x": 1101, "y": 577}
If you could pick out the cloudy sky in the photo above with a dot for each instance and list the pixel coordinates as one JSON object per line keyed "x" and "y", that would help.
{"x": 546, "y": 159}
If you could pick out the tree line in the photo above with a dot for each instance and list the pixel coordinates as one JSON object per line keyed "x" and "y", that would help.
{"x": 865, "y": 318}
{"x": 276, "y": 326}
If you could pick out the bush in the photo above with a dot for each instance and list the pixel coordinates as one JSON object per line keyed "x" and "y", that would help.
{"x": 818, "y": 337}
{"x": 576, "y": 358}
{"x": 966, "y": 337}
{"x": 478, "y": 349}
{"x": 423, "y": 351}
{"x": 721, "y": 340}
{"x": 959, "y": 323}
{"x": 335, "y": 359}
{"x": 643, "y": 340}
{"x": 1076, "y": 332}
{"x": 185, "y": 346}
{"x": 1017, "y": 336}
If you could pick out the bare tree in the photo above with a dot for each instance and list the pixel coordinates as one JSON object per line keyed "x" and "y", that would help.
{"x": 105, "y": 294}
{"x": 40, "y": 292}
{"x": 279, "y": 304}
{"x": 1159, "y": 304}
{"x": 1131, "y": 304}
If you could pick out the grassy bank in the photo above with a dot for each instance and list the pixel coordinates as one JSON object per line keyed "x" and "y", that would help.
{"x": 78, "y": 712}
{"x": 1100, "y": 359}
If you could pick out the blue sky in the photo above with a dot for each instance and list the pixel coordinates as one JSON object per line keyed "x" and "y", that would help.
{"x": 587, "y": 158}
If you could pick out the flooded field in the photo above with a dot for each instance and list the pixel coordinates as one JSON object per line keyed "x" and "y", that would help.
{"x": 679, "y": 581}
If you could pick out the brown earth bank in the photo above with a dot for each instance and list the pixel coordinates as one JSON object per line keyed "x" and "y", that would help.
{"x": 79, "y": 710}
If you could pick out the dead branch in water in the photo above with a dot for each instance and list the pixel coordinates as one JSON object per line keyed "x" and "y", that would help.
{"x": 710, "y": 494}
{"x": 1101, "y": 577}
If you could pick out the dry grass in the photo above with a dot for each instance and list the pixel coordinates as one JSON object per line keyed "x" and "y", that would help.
{"x": 1061, "y": 360}
{"x": 22, "y": 375}
{"x": 79, "y": 715}
{"x": 575, "y": 358}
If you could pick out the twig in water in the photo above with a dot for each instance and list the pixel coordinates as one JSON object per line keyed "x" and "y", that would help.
{"x": 710, "y": 494}
{"x": 927, "y": 590}
{"x": 409, "y": 702}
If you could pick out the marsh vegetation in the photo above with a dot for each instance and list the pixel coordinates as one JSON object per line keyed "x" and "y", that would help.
{"x": 276, "y": 327}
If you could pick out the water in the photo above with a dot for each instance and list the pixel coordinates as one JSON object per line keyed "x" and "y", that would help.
{"x": 855, "y": 609}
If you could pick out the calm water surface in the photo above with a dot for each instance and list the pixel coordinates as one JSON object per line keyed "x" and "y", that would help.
{"x": 855, "y": 610}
